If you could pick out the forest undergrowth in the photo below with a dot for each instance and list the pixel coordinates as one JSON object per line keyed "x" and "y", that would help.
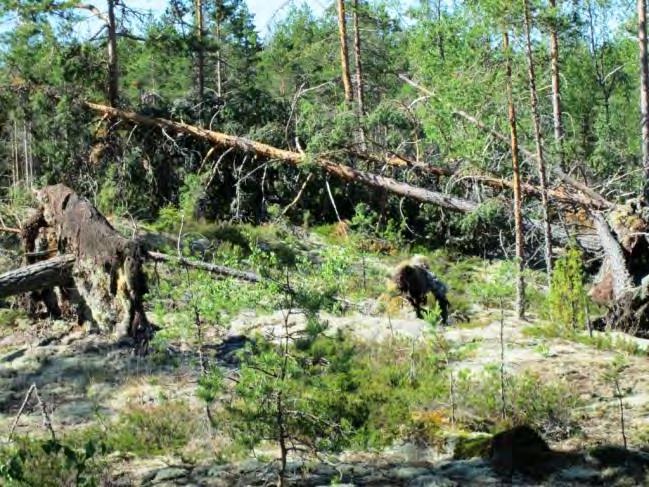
{"x": 306, "y": 358}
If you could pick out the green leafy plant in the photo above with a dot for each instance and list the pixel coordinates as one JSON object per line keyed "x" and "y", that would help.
{"x": 289, "y": 389}
{"x": 567, "y": 300}
{"x": 532, "y": 400}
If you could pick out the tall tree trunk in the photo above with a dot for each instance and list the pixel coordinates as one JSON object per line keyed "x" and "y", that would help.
{"x": 440, "y": 36}
{"x": 113, "y": 68}
{"x": 219, "y": 21}
{"x": 360, "y": 94}
{"x": 538, "y": 138}
{"x": 518, "y": 219}
{"x": 200, "y": 53}
{"x": 556, "y": 88}
{"x": 344, "y": 53}
{"x": 644, "y": 90}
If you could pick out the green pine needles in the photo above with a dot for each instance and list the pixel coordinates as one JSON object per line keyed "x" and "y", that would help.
{"x": 568, "y": 301}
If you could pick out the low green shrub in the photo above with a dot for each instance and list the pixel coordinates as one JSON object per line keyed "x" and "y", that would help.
{"x": 547, "y": 406}
{"x": 51, "y": 463}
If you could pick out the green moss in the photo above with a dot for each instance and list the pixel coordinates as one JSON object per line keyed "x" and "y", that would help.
{"x": 471, "y": 446}
{"x": 9, "y": 317}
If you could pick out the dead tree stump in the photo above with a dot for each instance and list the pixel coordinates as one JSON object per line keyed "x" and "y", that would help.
{"x": 107, "y": 282}
{"x": 623, "y": 280}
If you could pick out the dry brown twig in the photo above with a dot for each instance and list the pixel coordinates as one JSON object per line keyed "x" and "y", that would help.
{"x": 47, "y": 422}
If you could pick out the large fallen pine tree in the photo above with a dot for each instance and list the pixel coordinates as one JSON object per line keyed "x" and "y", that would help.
{"x": 622, "y": 237}
{"x": 99, "y": 272}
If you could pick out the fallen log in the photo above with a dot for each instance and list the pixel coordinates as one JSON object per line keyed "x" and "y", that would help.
{"x": 622, "y": 284}
{"x": 35, "y": 277}
{"x": 590, "y": 198}
{"x": 374, "y": 180}
{"x": 266, "y": 151}
{"x": 57, "y": 271}
{"x": 559, "y": 194}
{"x": 615, "y": 261}
{"x": 206, "y": 266}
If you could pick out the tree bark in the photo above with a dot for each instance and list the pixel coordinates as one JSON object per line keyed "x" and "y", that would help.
{"x": 108, "y": 284}
{"x": 57, "y": 271}
{"x": 556, "y": 87}
{"x": 622, "y": 281}
{"x": 644, "y": 90}
{"x": 35, "y": 277}
{"x": 344, "y": 53}
{"x": 259, "y": 149}
{"x": 559, "y": 194}
{"x": 200, "y": 54}
{"x": 538, "y": 139}
{"x": 219, "y": 21}
{"x": 360, "y": 92}
{"x": 518, "y": 218}
{"x": 113, "y": 67}
{"x": 206, "y": 266}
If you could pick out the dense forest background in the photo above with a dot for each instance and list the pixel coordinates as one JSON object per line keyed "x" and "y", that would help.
{"x": 287, "y": 90}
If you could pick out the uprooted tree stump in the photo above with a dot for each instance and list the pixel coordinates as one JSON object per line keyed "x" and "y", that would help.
{"x": 623, "y": 280}
{"x": 94, "y": 270}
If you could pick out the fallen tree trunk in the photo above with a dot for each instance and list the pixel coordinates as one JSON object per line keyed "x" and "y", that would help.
{"x": 350, "y": 174}
{"x": 259, "y": 149}
{"x": 560, "y": 194}
{"x": 591, "y": 197}
{"x": 35, "y": 277}
{"x": 374, "y": 180}
{"x": 57, "y": 271}
{"x": 621, "y": 281}
{"x": 206, "y": 266}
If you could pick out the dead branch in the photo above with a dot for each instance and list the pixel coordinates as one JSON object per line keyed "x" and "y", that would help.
{"x": 298, "y": 195}
{"x": 20, "y": 411}
{"x": 41, "y": 275}
{"x": 47, "y": 422}
{"x": 212, "y": 268}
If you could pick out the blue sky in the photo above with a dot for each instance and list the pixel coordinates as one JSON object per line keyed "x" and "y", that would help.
{"x": 264, "y": 10}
